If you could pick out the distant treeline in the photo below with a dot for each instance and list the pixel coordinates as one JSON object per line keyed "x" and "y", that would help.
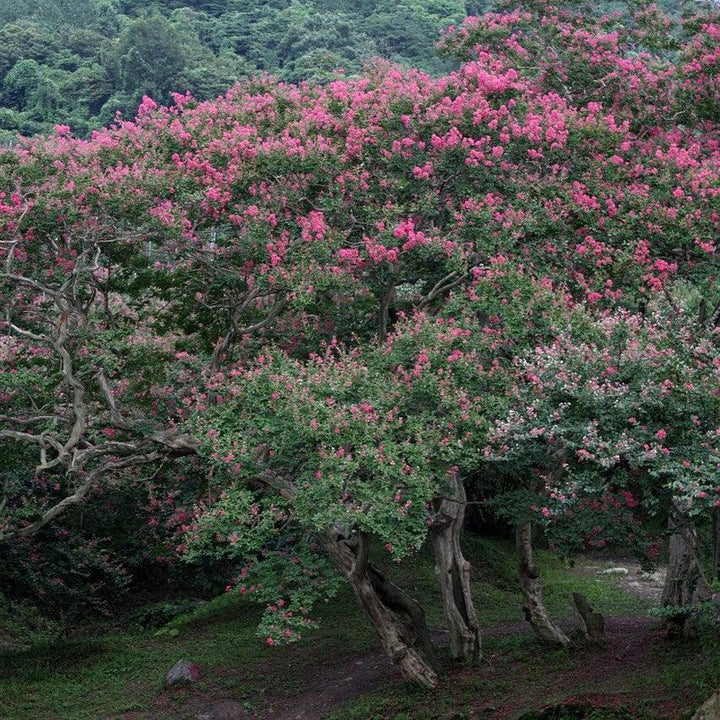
{"x": 79, "y": 62}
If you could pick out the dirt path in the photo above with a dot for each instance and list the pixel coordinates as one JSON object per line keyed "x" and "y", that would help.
{"x": 331, "y": 686}
{"x": 586, "y": 675}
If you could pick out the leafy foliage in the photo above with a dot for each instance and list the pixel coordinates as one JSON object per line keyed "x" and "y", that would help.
{"x": 95, "y": 58}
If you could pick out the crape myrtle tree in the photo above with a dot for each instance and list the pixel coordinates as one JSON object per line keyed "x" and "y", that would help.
{"x": 336, "y": 451}
{"x": 373, "y": 441}
{"x": 143, "y": 267}
{"x": 658, "y": 105}
{"x": 635, "y": 404}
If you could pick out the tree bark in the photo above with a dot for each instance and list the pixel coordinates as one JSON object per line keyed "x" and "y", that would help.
{"x": 533, "y": 607}
{"x": 592, "y": 623}
{"x": 397, "y": 618}
{"x": 685, "y": 582}
{"x": 453, "y": 573}
{"x": 384, "y": 314}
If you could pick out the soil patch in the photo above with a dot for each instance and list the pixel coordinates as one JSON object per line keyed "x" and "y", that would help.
{"x": 601, "y": 675}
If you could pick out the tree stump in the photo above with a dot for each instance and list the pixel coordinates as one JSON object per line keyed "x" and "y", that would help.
{"x": 592, "y": 623}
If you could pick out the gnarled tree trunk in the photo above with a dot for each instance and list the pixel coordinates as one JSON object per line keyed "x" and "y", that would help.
{"x": 453, "y": 572}
{"x": 535, "y": 612}
{"x": 592, "y": 623}
{"x": 398, "y": 619}
{"x": 685, "y": 582}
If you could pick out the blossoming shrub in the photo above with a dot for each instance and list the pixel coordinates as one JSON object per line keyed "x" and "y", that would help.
{"x": 633, "y": 410}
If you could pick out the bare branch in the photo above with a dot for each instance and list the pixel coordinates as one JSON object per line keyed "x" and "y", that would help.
{"x": 249, "y": 329}
{"x": 115, "y": 416}
{"x": 176, "y": 441}
{"x": 78, "y": 389}
{"x": 442, "y": 286}
{"x": 236, "y": 332}
{"x": 27, "y": 281}
{"x": 26, "y": 333}
{"x": 7, "y": 419}
{"x": 16, "y": 435}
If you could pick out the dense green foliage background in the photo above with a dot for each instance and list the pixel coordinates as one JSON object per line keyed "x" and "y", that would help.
{"x": 77, "y": 62}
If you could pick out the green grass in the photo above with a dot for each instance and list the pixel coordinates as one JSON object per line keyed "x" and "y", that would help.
{"x": 104, "y": 675}
{"x": 605, "y": 593}
{"x": 496, "y": 587}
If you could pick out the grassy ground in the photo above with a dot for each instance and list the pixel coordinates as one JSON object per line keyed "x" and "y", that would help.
{"x": 119, "y": 675}
{"x": 107, "y": 675}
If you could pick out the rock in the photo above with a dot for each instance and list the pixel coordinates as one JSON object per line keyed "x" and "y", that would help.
{"x": 657, "y": 577}
{"x": 183, "y": 672}
{"x": 615, "y": 571}
{"x": 592, "y": 622}
{"x": 710, "y": 709}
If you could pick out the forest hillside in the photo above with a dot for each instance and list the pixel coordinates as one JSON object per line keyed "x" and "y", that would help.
{"x": 79, "y": 62}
